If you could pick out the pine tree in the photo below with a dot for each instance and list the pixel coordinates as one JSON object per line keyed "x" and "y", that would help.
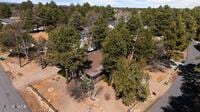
{"x": 100, "y": 31}
{"x": 63, "y": 49}
{"x": 5, "y": 11}
{"x": 130, "y": 81}
{"x": 181, "y": 39}
{"x": 76, "y": 20}
{"x": 144, "y": 46}
{"x": 135, "y": 23}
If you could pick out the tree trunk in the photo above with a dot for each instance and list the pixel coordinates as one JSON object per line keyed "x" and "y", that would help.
{"x": 110, "y": 80}
{"x": 27, "y": 53}
{"x": 18, "y": 52}
{"x": 67, "y": 76}
{"x": 19, "y": 57}
{"x": 26, "y": 49}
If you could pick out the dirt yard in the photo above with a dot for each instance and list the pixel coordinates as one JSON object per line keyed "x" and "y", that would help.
{"x": 54, "y": 90}
{"x": 40, "y": 35}
{"x": 31, "y": 72}
{"x": 159, "y": 83}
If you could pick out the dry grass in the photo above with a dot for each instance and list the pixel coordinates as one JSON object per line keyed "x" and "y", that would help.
{"x": 39, "y": 36}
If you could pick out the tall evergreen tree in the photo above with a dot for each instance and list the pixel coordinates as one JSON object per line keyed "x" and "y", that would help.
{"x": 144, "y": 48}
{"x": 117, "y": 44}
{"x": 76, "y": 20}
{"x": 63, "y": 49}
{"x": 27, "y": 15}
{"x": 135, "y": 23}
{"x": 130, "y": 81}
{"x": 190, "y": 25}
{"x": 163, "y": 17}
{"x": 5, "y": 11}
{"x": 181, "y": 34}
{"x": 114, "y": 47}
{"x": 26, "y": 5}
{"x": 48, "y": 14}
{"x": 100, "y": 31}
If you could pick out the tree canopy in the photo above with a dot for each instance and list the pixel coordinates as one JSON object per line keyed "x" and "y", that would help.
{"x": 64, "y": 49}
{"x": 144, "y": 48}
{"x": 130, "y": 81}
{"x": 26, "y": 5}
{"x": 114, "y": 47}
{"x": 5, "y": 11}
{"x": 100, "y": 31}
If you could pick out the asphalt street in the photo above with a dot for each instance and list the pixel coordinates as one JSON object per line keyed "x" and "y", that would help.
{"x": 164, "y": 100}
{"x": 10, "y": 99}
{"x": 175, "y": 88}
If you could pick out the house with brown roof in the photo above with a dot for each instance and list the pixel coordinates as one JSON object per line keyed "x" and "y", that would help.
{"x": 96, "y": 69}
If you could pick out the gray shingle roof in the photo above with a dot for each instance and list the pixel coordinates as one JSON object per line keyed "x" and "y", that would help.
{"x": 193, "y": 54}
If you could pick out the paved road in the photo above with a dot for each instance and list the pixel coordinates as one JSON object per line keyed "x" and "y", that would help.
{"x": 164, "y": 100}
{"x": 10, "y": 100}
{"x": 175, "y": 89}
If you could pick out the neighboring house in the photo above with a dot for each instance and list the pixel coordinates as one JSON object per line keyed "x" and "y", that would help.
{"x": 193, "y": 53}
{"x": 10, "y": 21}
{"x": 96, "y": 69}
{"x": 86, "y": 39}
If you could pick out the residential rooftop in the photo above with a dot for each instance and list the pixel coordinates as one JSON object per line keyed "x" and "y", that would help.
{"x": 96, "y": 67}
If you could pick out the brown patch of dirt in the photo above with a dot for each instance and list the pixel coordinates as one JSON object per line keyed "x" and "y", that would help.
{"x": 160, "y": 78}
{"x": 32, "y": 103}
{"x": 40, "y": 35}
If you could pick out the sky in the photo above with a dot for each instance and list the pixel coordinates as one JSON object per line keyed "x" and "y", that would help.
{"x": 123, "y": 3}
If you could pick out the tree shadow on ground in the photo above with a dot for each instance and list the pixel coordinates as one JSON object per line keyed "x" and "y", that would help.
{"x": 75, "y": 90}
{"x": 189, "y": 101}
